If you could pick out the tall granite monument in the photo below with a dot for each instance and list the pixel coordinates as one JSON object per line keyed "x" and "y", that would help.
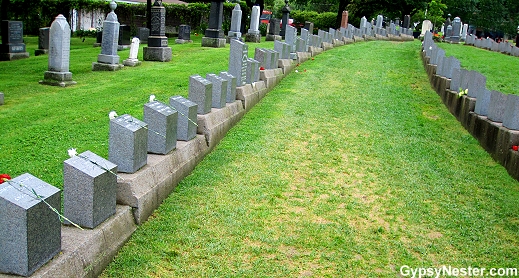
{"x": 253, "y": 34}
{"x": 157, "y": 49}
{"x": 108, "y": 60}
{"x": 284, "y": 19}
{"x": 214, "y": 33}
{"x": 12, "y": 47}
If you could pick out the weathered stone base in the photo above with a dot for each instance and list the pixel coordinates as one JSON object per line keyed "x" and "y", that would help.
{"x": 62, "y": 79}
{"x": 326, "y": 46}
{"x": 286, "y": 65}
{"x": 160, "y": 54}
{"x": 315, "y": 50}
{"x": 271, "y": 77}
{"x": 270, "y": 37}
{"x": 358, "y": 39}
{"x": 39, "y": 52}
{"x": 131, "y": 62}
{"x": 179, "y": 41}
{"x": 213, "y": 42}
{"x": 303, "y": 57}
{"x": 13, "y": 56}
{"x": 106, "y": 67}
{"x": 256, "y": 38}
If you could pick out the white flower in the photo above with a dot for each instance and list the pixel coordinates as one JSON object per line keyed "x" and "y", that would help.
{"x": 430, "y": 47}
{"x": 152, "y": 98}
{"x": 72, "y": 152}
{"x": 297, "y": 71}
{"x": 112, "y": 115}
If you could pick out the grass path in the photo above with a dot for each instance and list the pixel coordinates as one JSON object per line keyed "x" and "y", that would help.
{"x": 351, "y": 168}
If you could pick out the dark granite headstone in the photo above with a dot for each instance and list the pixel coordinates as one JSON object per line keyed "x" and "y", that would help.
{"x": 201, "y": 92}
{"x": 455, "y": 80}
{"x": 482, "y": 102}
{"x": 496, "y": 107}
{"x": 184, "y": 32}
{"x": 157, "y": 49}
{"x": 310, "y": 27}
{"x": 43, "y": 42}
{"x": 144, "y": 33}
{"x": 273, "y": 33}
{"x": 162, "y": 127}
{"x": 124, "y": 35}
{"x": 511, "y": 116}
{"x": 30, "y": 232}
{"x": 407, "y": 21}
{"x": 187, "y": 117}
{"x": 128, "y": 143}
{"x": 12, "y": 46}
{"x": 284, "y": 19}
{"x": 1, "y": 98}
{"x": 214, "y": 36}
{"x": 89, "y": 189}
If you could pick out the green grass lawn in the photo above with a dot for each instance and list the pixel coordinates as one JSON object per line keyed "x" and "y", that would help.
{"x": 351, "y": 167}
{"x": 500, "y": 69}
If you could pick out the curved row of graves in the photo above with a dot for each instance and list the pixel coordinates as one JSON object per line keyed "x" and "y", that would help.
{"x": 109, "y": 198}
{"x": 490, "y": 116}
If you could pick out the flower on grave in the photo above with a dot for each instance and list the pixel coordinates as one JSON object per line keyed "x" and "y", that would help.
{"x": 262, "y": 68}
{"x": 4, "y": 177}
{"x": 152, "y": 98}
{"x": 196, "y": 34}
{"x": 515, "y": 147}
{"x": 463, "y": 92}
{"x": 297, "y": 71}
{"x": 112, "y": 115}
{"x": 73, "y": 152}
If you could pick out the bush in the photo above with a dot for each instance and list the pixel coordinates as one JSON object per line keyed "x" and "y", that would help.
{"x": 322, "y": 21}
{"x": 263, "y": 29}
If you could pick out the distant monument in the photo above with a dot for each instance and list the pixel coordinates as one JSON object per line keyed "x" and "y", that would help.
{"x": 214, "y": 33}
{"x": 157, "y": 49}
{"x": 12, "y": 47}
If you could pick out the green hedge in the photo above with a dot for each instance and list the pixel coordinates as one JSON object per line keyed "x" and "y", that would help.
{"x": 322, "y": 21}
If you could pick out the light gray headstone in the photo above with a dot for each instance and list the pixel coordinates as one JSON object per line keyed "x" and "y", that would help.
{"x": 59, "y": 51}
{"x": 290, "y": 37}
{"x": 254, "y": 20}
{"x": 511, "y": 116}
{"x": 134, "y": 49}
{"x": 162, "y": 127}
{"x": 477, "y": 84}
{"x": 201, "y": 93}
{"x": 187, "y": 117}
{"x": 380, "y": 19}
{"x": 482, "y": 102}
{"x": 110, "y": 40}
{"x": 128, "y": 143}
{"x": 455, "y": 80}
{"x": 283, "y": 49}
{"x": 231, "y": 86}
{"x": 1, "y": 98}
{"x": 30, "y": 232}
{"x": 440, "y": 61}
{"x": 220, "y": 86}
{"x": 234, "y": 32}
{"x": 497, "y": 106}
{"x": 252, "y": 71}
{"x": 301, "y": 45}
{"x": 260, "y": 55}
{"x": 238, "y": 56}
{"x": 89, "y": 189}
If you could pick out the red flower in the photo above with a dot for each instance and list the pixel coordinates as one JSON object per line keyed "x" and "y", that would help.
{"x": 4, "y": 177}
{"x": 515, "y": 147}
{"x": 262, "y": 68}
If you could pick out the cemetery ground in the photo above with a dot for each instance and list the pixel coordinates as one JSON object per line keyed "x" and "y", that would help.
{"x": 350, "y": 167}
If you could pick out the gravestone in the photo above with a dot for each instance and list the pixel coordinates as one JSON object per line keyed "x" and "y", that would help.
{"x": 380, "y": 20}
{"x": 440, "y": 60}
{"x": 284, "y": 19}
{"x": 497, "y": 106}
{"x": 157, "y": 49}
{"x": 143, "y": 34}
{"x": 465, "y": 76}
{"x": 450, "y": 63}
{"x": 456, "y": 30}
{"x": 12, "y": 47}
{"x": 89, "y": 189}
{"x": 1, "y": 98}
{"x": 426, "y": 26}
{"x": 187, "y": 110}
{"x": 214, "y": 33}
{"x": 238, "y": 61}
{"x": 455, "y": 80}
{"x": 252, "y": 71}
{"x": 477, "y": 84}
{"x": 464, "y": 32}
{"x": 309, "y": 26}
{"x": 231, "y": 86}
{"x": 220, "y": 86}
{"x": 482, "y": 102}
{"x": 253, "y": 34}
{"x": 344, "y": 19}
{"x": 128, "y": 143}
{"x": 301, "y": 45}
{"x": 234, "y": 32}
{"x": 260, "y": 55}
{"x": 132, "y": 60}
{"x": 305, "y": 35}
{"x": 58, "y": 73}
{"x": 511, "y": 115}
{"x": 162, "y": 127}
{"x": 274, "y": 57}
{"x": 43, "y": 42}
{"x": 184, "y": 34}
{"x": 124, "y": 40}
{"x": 363, "y": 22}
{"x": 290, "y": 38}
{"x": 201, "y": 92}
{"x": 283, "y": 49}
{"x": 273, "y": 34}
{"x": 407, "y": 21}
{"x": 108, "y": 59}
{"x": 30, "y": 232}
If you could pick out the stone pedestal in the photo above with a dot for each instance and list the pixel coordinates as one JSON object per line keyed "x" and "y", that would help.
{"x": 157, "y": 49}
{"x": 214, "y": 33}
{"x": 108, "y": 60}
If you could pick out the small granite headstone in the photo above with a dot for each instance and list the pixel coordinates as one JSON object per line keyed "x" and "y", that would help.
{"x": 220, "y": 86}
{"x": 273, "y": 33}
{"x": 231, "y": 86}
{"x": 455, "y": 80}
{"x": 464, "y": 79}
{"x": 1, "y": 98}
{"x": 496, "y": 107}
{"x": 450, "y": 63}
{"x": 283, "y": 49}
{"x": 187, "y": 118}
{"x": 482, "y": 102}
{"x": 252, "y": 71}
{"x": 162, "y": 127}
{"x": 309, "y": 26}
{"x": 89, "y": 189}
{"x": 511, "y": 116}
{"x": 184, "y": 34}
{"x": 238, "y": 61}
{"x": 290, "y": 38}
{"x": 12, "y": 46}
{"x": 30, "y": 232}
{"x": 58, "y": 73}
{"x": 124, "y": 40}
{"x": 143, "y": 34}
{"x": 260, "y": 55}
{"x": 201, "y": 92}
{"x": 128, "y": 143}
{"x": 43, "y": 42}
{"x": 477, "y": 84}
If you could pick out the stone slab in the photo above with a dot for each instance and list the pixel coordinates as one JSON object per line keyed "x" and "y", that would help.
{"x": 159, "y": 54}
{"x": 247, "y": 96}
{"x": 216, "y": 124}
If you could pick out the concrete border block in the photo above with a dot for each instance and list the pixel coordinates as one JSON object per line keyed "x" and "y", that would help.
{"x": 215, "y": 125}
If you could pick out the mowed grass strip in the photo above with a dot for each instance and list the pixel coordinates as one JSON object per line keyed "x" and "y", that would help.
{"x": 351, "y": 167}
